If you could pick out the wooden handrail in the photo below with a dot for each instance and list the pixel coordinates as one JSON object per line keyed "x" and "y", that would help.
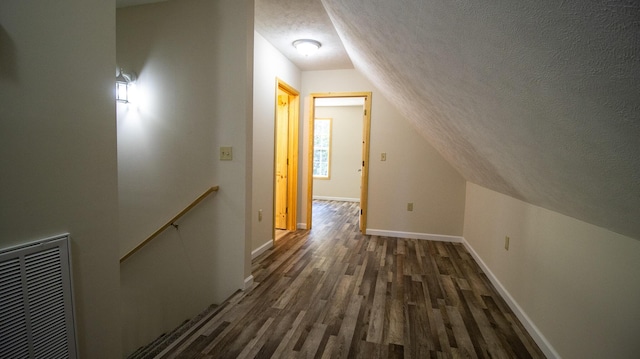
{"x": 170, "y": 222}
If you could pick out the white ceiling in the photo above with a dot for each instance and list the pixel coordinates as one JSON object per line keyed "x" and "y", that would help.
{"x": 281, "y": 22}
{"x": 536, "y": 100}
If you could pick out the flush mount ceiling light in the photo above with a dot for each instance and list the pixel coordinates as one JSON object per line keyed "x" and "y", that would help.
{"x": 306, "y": 46}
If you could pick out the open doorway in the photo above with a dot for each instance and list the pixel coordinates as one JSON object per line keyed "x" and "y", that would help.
{"x": 285, "y": 159}
{"x": 319, "y": 157}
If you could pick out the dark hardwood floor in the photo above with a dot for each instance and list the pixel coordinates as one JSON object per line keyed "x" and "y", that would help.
{"x": 334, "y": 293}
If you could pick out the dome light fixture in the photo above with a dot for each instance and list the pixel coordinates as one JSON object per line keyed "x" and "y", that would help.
{"x": 306, "y": 46}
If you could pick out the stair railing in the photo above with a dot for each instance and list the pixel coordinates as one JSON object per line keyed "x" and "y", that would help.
{"x": 171, "y": 222}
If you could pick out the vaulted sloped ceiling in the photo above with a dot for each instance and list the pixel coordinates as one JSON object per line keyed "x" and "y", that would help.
{"x": 539, "y": 100}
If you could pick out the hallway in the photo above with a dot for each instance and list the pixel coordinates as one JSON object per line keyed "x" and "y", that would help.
{"x": 334, "y": 293}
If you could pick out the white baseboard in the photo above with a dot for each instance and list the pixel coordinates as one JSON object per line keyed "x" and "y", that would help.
{"x": 248, "y": 282}
{"x": 535, "y": 333}
{"x": 263, "y": 248}
{"x": 413, "y": 235}
{"x": 342, "y": 199}
{"x": 302, "y": 226}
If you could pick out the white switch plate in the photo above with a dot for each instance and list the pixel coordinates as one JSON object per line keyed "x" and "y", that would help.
{"x": 226, "y": 153}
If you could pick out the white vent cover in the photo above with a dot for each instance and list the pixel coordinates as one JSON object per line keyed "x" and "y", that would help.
{"x": 36, "y": 303}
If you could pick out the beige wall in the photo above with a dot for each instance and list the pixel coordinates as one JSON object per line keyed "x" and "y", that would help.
{"x": 58, "y": 149}
{"x": 194, "y": 96}
{"x": 578, "y": 283}
{"x": 346, "y": 153}
{"x": 269, "y": 65}
{"x": 414, "y": 171}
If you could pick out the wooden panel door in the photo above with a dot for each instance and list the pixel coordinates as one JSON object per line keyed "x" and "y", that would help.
{"x": 282, "y": 145}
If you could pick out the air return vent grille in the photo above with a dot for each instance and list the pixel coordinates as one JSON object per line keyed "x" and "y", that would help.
{"x": 36, "y": 310}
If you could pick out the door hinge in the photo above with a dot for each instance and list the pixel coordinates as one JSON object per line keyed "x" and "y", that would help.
{"x": 361, "y": 212}
{"x": 286, "y": 210}
{"x": 362, "y": 163}
{"x": 365, "y": 112}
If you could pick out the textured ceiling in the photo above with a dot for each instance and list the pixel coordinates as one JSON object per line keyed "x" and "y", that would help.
{"x": 536, "y": 100}
{"x": 281, "y": 22}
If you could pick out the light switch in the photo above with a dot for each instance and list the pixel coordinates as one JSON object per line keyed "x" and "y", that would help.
{"x": 383, "y": 156}
{"x": 226, "y": 153}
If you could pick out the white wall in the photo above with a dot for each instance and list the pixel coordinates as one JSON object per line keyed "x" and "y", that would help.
{"x": 414, "y": 171}
{"x": 578, "y": 283}
{"x": 346, "y": 153}
{"x": 194, "y": 60}
{"x": 269, "y": 64}
{"x": 58, "y": 148}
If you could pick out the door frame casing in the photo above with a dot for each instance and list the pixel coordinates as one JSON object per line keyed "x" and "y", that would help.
{"x": 292, "y": 154}
{"x": 366, "y": 135}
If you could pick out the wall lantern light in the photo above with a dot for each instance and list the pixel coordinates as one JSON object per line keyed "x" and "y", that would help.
{"x": 123, "y": 81}
{"x": 306, "y": 46}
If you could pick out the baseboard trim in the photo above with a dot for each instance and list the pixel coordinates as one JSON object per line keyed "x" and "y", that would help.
{"x": 302, "y": 226}
{"x": 341, "y": 199}
{"x": 414, "y": 235}
{"x": 535, "y": 333}
{"x": 248, "y": 282}
{"x": 263, "y": 248}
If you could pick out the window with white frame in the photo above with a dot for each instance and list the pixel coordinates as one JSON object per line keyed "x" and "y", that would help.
{"x": 322, "y": 148}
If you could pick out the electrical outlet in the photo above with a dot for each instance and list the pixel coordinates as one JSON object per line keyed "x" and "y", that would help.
{"x": 226, "y": 153}
{"x": 383, "y": 156}
{"x": 506, "y": 242}
{"x": 409, "y": 207}
{"x": 259, "y": 215}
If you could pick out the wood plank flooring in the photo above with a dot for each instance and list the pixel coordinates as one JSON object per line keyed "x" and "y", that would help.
{"x": 334, "y": 293}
